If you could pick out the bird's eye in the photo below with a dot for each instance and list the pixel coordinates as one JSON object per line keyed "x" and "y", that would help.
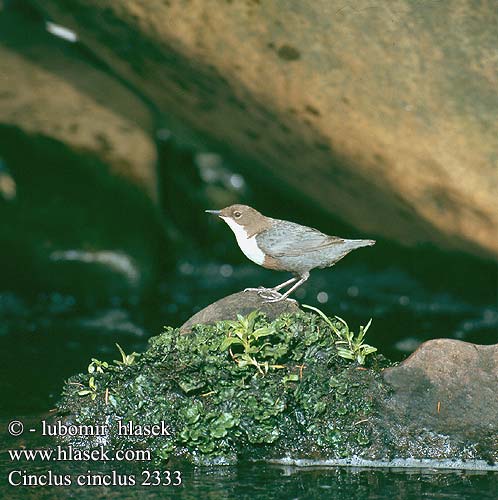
{"x": 237, "y": 214}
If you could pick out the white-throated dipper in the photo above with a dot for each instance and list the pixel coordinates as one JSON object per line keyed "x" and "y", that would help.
{"x": 284, "y": 246}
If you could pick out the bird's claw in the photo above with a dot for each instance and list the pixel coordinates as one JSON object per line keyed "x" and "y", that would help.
{"x": 279, "y": 299}
{"x": 265, "y": 293}
{"x": 269, "y": 294}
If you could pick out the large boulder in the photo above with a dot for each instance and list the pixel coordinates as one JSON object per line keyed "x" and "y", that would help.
{"x": 447, "y": 387}
{"x": 383, "y": 114}
{"x": 50, "y": 89}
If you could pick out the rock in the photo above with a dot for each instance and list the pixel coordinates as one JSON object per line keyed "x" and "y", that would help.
{"x": 52, "y": 91}
{"x": 279, "y": 391}
{"x": 447, "y": 386}
{"x": 76, "y": 155}
{"x": 238, "y": 303}
{"x": 372, "y": 111}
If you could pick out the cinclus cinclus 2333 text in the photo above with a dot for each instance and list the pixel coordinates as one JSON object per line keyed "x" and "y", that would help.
{"x": 284, "y": 246}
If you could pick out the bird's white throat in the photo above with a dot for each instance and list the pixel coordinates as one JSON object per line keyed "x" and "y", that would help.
{"x": 248, "y": 246}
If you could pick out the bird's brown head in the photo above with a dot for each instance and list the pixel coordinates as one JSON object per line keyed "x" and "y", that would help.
{"x": 244, "y": 216}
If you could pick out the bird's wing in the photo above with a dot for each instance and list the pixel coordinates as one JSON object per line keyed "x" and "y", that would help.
{"x": 287, "y": 239}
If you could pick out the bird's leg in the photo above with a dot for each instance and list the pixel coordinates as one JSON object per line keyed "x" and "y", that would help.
{"x": 301, "y": 280}
{"x": 284, "y": 284}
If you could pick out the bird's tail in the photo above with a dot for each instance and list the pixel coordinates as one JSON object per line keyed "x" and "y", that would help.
{"x": 360, "y": 243}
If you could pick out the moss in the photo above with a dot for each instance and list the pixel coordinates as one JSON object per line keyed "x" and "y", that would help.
{"x": 307, "y": 401}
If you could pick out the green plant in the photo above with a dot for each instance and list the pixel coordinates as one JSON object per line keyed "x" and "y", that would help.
{"x": 126, "y": 359}
{"x": 97, "y": 366}
{"x": 92, "y": 389}
{"x": 348, "y": 346}
{"x": 245, "y": 333}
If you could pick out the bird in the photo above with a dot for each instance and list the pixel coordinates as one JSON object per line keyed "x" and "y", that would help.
{"x": 284, "y": 246}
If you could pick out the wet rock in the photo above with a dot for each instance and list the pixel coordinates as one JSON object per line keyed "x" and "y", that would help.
{"x": 238, "y": 303}
{"x": 449, "y": 387}
{"x": 278, "y": 390}
{"x": 50, "y": 90}
{"x": 403, "y": 135}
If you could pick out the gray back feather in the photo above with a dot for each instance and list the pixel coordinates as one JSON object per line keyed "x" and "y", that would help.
{"x": 287, "y": 239}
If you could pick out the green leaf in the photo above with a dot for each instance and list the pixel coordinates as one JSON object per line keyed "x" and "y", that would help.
{"x": 123, "y": 355}
{"x": 292, "y": 377}
{"x": 190, "y": 385}
{"x": 343, "y": 322}
{"x": 344, "y": 353}
{"x": 228, "y": 342}
{"x": 262, "y": 332}
{"x": 325, "y": 318}
{"x": 368, "y": 326}
{"x": 368, "y": 349}
{"x": 239, "y": 334}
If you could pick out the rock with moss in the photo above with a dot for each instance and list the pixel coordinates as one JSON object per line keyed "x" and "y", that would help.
{"x": 240, "y": 303}
{"x": 299, "y": 387}
{"x": 250, "y": 388}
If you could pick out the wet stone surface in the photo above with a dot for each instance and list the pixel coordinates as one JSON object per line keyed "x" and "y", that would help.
{"x": 447, "y": 387}
{"x": 238, "y": 303}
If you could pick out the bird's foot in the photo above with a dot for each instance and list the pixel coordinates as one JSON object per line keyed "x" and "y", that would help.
{"x": 279, "y": 299}
{"x": 258, "y": 290}
{"x": 269, "y": 294}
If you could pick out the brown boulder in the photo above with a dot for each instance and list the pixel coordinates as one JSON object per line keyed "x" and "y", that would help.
{"x": 448, "y": 387}
{"x": 238, "y": 303}
{"x": 376, "y": 112}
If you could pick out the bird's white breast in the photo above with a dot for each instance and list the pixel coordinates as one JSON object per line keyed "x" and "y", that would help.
{"x": 248, "y": 246}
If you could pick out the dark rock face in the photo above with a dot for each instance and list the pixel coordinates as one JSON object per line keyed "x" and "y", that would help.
{"x": 66, "y": 234}
{"x": 448, "y": 386}
{"x": 238, "y": 303}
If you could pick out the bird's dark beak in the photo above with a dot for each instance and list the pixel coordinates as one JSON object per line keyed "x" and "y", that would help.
{"x": 214, "y": 212}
